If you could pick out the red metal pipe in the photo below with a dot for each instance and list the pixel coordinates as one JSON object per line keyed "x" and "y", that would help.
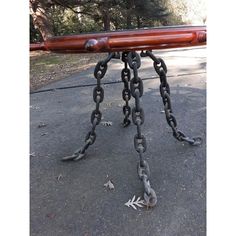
{"x": 143, "y": 39}
{"x": 37, "y": 46}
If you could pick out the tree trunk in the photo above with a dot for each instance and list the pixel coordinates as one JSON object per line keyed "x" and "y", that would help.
{"x": 128, "y": 20}
{"x": 41, "y": 20}
{"x": 106, "y": 21}
{"x": 138, "y": 22}
{"x": 129, "y": 6}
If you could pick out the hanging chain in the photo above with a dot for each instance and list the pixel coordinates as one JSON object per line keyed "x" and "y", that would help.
{"x": 96, "y": 116}
{"x": 126, "y": 94}
{"x": 161, "y": 69}
{"x": 136, "y": 87}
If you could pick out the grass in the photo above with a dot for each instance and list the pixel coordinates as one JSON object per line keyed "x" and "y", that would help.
{"x": 47, "y": 67}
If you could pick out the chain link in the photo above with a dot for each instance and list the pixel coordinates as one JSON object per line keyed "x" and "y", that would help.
{"x": 161, "y": 69}
{"x": 126, "y": 94}
{"x": 134, "y": 87}
{"x": 140, "y": 144}
{"x": 96, "y": 116}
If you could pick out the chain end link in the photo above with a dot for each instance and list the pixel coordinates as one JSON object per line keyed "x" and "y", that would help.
{"x": 77, "y": 155}
{"x": 68, "y": 158}
{"x": 196, "y": 141}
{"x": 80, "y": 156}
{"x": 151, "y": 199}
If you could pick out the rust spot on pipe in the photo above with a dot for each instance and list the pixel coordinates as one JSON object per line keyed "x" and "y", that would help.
{"x": 94, "y": 45}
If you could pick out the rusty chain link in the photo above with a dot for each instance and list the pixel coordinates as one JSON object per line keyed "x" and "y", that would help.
{"x": 96, "y": 116}
{"x": 126, "y": 94}
{"x": 161, "y": 69}
{"x": 136, "y": 87}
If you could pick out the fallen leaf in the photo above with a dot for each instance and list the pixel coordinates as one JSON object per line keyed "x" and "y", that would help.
{"x": 132, "y": 203}
{"x": 34, "y": 107}
{"x": 41, "y": 125}
{"x": 109, "y": 185}
{"x": 109, "y": 104}
{"x": 59, "y": 177}
{"x": 106, "y": 123}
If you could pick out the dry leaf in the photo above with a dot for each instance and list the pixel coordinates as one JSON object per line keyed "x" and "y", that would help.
{"x": 132, "y": 203}
{"x": 109, "y": 104}
{"x": 59, "y": 177}
{"x": 34, "y": 107}
{"x": 106, "y": 123}
{"x": 109, "y": 185}
{"x": 32, "y": 154}
{"x": 41, "y": 125}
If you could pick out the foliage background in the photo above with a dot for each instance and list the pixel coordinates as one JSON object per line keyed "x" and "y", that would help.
{"x": 56, "y": 17}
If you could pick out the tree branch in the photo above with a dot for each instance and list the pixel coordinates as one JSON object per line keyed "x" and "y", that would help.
{"x": 72, "y": 9}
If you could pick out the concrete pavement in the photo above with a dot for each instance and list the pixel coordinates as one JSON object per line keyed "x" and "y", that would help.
{"x": 70, "y": 199}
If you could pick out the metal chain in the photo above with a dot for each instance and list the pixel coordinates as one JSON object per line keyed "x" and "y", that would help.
{"x": 126, "y": 94}
{"x": 161, "y": 69}
{"x": 96, "y": 116}
{"x": 136, "y": 87}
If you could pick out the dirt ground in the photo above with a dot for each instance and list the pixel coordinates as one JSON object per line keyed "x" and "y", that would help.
{"x": 47, "y": 67}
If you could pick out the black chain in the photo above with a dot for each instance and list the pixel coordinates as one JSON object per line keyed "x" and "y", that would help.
{"x": 161, "y": 69}
{"x": 126, "y": 94}
{"x": 96, "y": 116}
{"x": 136, "y": 87}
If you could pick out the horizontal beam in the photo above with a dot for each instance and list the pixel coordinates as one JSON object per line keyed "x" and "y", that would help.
{"x": 128, "y": 40}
